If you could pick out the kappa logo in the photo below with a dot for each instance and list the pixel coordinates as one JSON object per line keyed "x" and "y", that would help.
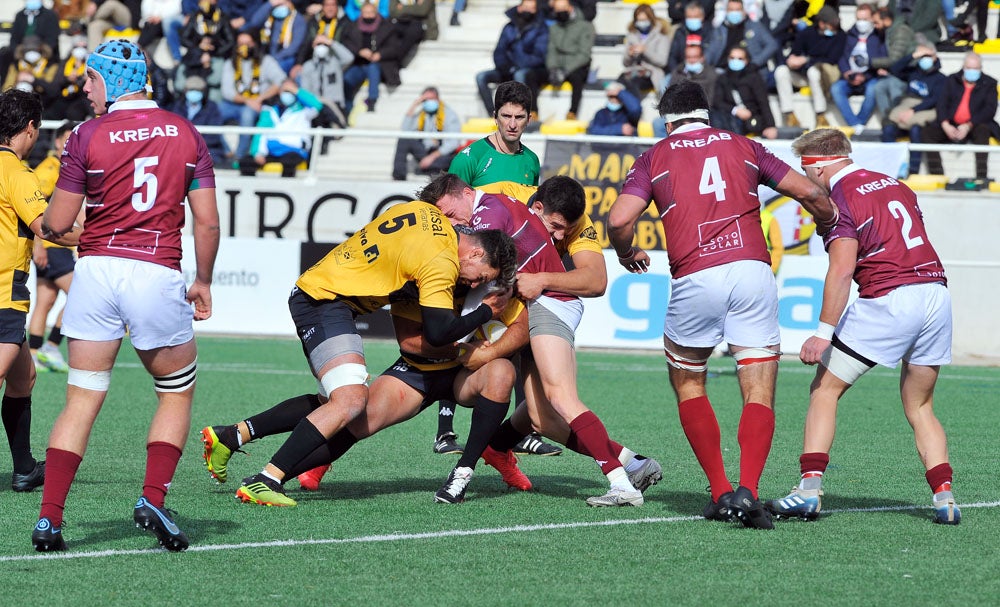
{"x": 601, "y": 462}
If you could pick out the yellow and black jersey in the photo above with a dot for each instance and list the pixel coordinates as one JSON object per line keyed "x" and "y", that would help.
{"x": 47, "y": 172}
{"x": 409, "y": 252}
{"x": 583, "y": 236}
{"x": 21, "y": 202}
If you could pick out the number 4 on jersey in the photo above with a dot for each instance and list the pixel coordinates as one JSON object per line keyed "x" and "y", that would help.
{"x": 711, "y": 179}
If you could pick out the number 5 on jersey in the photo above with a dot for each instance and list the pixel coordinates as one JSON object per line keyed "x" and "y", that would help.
{"x": 139, "y": 178}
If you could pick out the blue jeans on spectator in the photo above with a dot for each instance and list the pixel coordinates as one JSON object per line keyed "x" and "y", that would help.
{"x": 841, "y": 92}
{"x": 889, "y": 133}
{"x": 355, "y": 76}
{"x": 245, "y": 116}
{"x": 173, "y": 35}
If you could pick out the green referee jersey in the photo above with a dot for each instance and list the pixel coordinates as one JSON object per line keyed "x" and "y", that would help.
{"x": 481, "y": 164}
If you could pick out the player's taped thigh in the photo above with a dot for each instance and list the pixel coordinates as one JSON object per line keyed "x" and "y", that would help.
{"x": 686, "y": 364}
{"x": 334, "y": 347}
{"x": 347, "y": 374}
{"x": 98, "y": 381}
{"x": 754, "y": 356}
{"x": 178, "y": 381}
{"x": 847, "y": 366}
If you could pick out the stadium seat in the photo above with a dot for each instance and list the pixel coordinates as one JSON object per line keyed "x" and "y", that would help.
{"x": 995, "y": 186}
{"x": 640, "y": 1}
{"x": 126, "y": 33}
{"x": 564, "y": 127}
{"x": 479, "y": 125}
{"x": 988, "y": 47}
{"x": 564, "y": 87}
{"x": 276, "y": 167}
{"x": 926, "y": 183}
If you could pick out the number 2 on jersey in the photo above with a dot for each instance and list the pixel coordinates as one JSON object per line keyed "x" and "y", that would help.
{"x": 140, "y": 177}
{"x": 899, "y": 212}
{"x": 711, "y": 179}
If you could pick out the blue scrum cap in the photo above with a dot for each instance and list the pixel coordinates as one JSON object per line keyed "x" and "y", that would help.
{"x": 122, "y": 66}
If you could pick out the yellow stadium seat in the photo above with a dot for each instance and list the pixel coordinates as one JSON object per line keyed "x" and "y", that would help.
{"x": 640, "y": 1}
{"x": 645, "y": 129}
{"x": 989, "y": 47}
{"x": 563, "y": 127}
{"x": 564, "y": 87}
{"x": 995, "y": 186}
{"x": 479, "y": 125}
{"x": 926, "y": 183}
{"x": 276, "y": 167}
{"x": 128, "y": 33}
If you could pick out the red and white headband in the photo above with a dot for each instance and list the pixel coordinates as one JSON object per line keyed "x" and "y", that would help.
{"x": 821, "y": 161}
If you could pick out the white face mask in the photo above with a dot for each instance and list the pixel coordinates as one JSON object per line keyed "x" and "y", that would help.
{"x": 321, "y": 51}
{"x": 32, "y": 57}
{"x": 864, "y": 27}
{"x": 79, "y": 52}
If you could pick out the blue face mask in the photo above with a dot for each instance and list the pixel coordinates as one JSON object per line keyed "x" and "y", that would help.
{"x": 431, "y": 106}
{"x": 971, "y": 75}
{"x": 694, "y": 68}
{"x": 194, "y": 97}
{"x": 737, "y": 65}
{"x": 734, "y": 17}
{"x": 926, "y": 63}
{"x": 288, "y": 98}
{"x": 280, "y": 12}
{"x": 614, "y": 107}
{"x": 829, "y": 33}
{"x": 692, "y": 25}
{"x": 33, "y": 5}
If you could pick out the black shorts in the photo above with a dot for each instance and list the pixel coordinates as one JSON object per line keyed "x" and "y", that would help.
{"x": 12, "y": 323}
{"x": 434, "y": 385}
{"x": 325, "y": 328}
{"x": 61, "y": 262}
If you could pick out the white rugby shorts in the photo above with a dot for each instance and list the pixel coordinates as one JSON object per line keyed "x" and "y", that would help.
{"x": 736, "y": 302}
{"x": 911, "y": 323}
{"x": 110, "y": 294}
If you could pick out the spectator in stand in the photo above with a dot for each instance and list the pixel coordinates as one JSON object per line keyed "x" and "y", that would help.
{"x": 72, "y": 103}
{"x": 696, "y": 69}
{"x": 33, "y": 20}
{"x": 247, "y": 79}
{"x": 352, "y": 8}
{"x": 324, "y": 27}
{"x": 899, "y": 42}
{"x": 35, "y": 70}
{"x": 375, "y": 43}
{"x": 519, "y": 55}
{"x": 161, "y": 18}
{"x": 813, "y": 62}
{"x": 677, "y": 10}
{"x": 416, "y": 21}
{"x": 210, "y": 41}
{"x": 294, "y": 110}
{"x": 778, "y": 17}
{"x": 738, "y": 30}
{"x": 647, "y": 43}
{"x": 567, "y": 58}
{"x": 965, "y": 114}
{"x": 159, "y": 80}
{"x": 741, "y": 102}
{"x": 620, "y": 115}
{"x": 917, "y": 107}
{"x": 323, "y": 76}
{"x": 238, "y": 12}
{"x": 282, "y": 30}
{"x": 696, "y": 30}
{"x": 103, "y": 15}
{"x": 427, "y": 114}
{"x": 859, "y": 75}
{"x": 924, "y": 18}
{"x": 202, "y": 111}
{"x": 70, "y": 10}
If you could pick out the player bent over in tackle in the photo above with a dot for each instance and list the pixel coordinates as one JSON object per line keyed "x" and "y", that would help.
{"x": 903, "y": 313}
{"x": 410, "y": 252}
{"x": 704, "y": 184}
{"x": 128, "y": 277}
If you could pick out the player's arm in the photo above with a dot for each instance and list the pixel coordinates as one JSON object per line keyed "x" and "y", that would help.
{"x": 777, "y": 246}
{"x": 812, "y": 197}
{"x": 588, "y": 278}
{"x": 206, "y": 246}
{"x": 411, "y": 340}
{"x": 441, "y": 326}
{"x": 625, "y": 212}
{"x": 836, "y": 290}
{"x": 58, "y": 222}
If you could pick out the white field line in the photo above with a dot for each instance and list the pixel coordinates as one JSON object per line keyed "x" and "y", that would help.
{"x": 399, "y": 537}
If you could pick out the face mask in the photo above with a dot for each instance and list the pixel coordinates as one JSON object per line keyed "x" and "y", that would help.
{"x": 737, "y": 65}
{"x": 33, "y": 5}
{"x": 32, "y": 57}
{"x": 321, "y": 51}
{"x": 864, "y": 27}
{"x": 194, "y": 97}
{"x": 24, "y": 86}
{"x": 829, "y": 33}
{"x": 288, "y": 98}
{"x": 368, "y": 20}
{"x": 79, "y": 53}
{"x": 926, "y": 63}
{"x": 734, "y": 17}
{"x": 562, "y": 16}
{"x": 694, "y": 68}
{"x": 692, "y": 25}
{"x": 971, "y": 75}
{"x": 643, "y": 26}
{"x": 614, "y": 107}
{"x": 280, "y": 12}
{"x": 431, "y": 106}
{"x": 243, "y": 51}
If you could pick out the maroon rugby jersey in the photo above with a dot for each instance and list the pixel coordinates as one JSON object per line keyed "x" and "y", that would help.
{"x": 135, "y": 165}
{"x": 704, "y": 184}
{"x": 882, "y": 215}
{"x": 535, "y": 250}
